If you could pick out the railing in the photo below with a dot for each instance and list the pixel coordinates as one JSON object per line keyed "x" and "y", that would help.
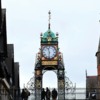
{"x": 79, "y": 94}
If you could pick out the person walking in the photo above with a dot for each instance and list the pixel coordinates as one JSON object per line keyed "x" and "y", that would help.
{"x": 43, "y": 94}
{"x": 47, "y": 94}
{"x": 54, "y": 94}
{"x": 25, "y": 93}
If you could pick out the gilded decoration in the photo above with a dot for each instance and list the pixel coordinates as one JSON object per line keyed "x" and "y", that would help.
{"x": 49, "y": 63}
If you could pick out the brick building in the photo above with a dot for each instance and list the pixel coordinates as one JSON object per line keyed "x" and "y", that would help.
{"x": 93, "y": 82}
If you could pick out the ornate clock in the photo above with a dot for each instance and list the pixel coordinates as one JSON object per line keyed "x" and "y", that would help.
{"x": 49, "y": 52}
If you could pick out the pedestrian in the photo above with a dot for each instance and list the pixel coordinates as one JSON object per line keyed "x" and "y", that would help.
{"x": 47, "y": 94}
{"x": 54, "y": 94}
{"x": 25, "y": 93}
{"x": 43, "y": 93}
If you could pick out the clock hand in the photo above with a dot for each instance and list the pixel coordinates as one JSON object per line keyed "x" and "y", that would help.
{"x": 48, "y": 53}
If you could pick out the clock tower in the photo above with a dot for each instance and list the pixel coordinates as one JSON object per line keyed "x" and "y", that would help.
{"x": 49, "y": 49}
{"x": 49, "y": 58}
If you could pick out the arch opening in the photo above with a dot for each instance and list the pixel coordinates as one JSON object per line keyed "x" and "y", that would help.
{"x": 50, "y": 80}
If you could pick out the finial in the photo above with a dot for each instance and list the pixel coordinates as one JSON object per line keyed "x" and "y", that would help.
{"x": 99, "y": 45}
{"x": 86, "y": 72}
{"x": 49, "y": 19}
{"x": 57, "y": 34}
{"x": 41, "y": 34}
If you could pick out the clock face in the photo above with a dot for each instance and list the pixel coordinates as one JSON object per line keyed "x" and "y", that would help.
{"x": 49, "y": 52}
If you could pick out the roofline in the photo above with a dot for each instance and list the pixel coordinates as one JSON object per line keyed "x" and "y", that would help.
{"x": 92, "y": 76}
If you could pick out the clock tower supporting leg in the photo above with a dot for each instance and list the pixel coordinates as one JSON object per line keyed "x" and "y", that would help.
{"x": 61, "y": 85}
{"x": 38, "y": 87}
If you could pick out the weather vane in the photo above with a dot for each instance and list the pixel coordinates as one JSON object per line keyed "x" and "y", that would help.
{"x": 49, "y": 18}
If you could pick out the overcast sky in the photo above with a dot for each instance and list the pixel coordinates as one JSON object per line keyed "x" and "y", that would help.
{"x": 76, "y": 21}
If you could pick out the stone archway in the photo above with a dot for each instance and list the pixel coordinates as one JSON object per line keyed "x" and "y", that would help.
{"x": 60, "y": 80}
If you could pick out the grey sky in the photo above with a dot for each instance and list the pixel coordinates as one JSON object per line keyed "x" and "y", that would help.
{"x": 76, "y": 21}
